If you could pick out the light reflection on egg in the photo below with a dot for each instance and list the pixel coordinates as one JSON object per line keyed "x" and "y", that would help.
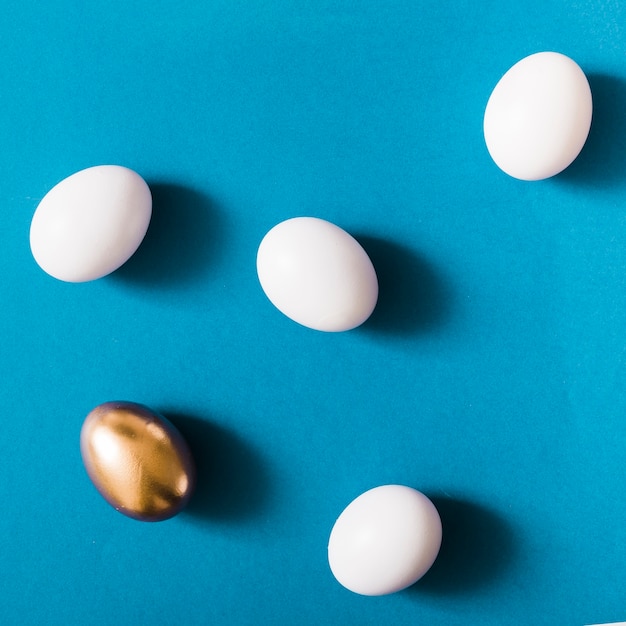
{"x": 137, "y": 460}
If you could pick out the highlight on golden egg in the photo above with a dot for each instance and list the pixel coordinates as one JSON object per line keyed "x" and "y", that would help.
{"x": 137, "y": 460}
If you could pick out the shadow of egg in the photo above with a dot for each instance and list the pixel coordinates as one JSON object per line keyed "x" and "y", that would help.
{"x": 184, "y": 239}
{"x": 602, "y": 161}
{"x": 478, "y": 547}
{"x": 413, "y": 297}
{"x": 232, "y": 481}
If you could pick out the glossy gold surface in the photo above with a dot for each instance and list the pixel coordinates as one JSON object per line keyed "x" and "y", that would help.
{"x": 137, "y": 460}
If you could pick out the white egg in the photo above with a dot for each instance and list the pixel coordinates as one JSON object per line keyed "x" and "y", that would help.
{"x": 538, "y": 116}
{"x": 317, "y": 274}
{"x": 91, "y": 223}
{"x": 384, "y": 540}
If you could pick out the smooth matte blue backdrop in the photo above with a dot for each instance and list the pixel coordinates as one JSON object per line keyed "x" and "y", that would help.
{"x": 491, "y": 376}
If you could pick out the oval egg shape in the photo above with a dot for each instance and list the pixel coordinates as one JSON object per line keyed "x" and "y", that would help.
{"x": 317, "y": 274}
{"x": 90, "y": 223}
{"x": 137, "y": 460}
{"x": 385, "y": 540}
{"x": 538, "y": 116}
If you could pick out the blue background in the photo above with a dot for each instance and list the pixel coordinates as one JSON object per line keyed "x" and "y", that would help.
{"x": 491, "y": 376}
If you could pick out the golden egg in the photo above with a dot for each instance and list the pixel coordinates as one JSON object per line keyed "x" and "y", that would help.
{"x": 137, "y": 460}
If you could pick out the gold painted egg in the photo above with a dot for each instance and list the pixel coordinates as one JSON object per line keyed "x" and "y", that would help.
{"x": 137, "y": 460}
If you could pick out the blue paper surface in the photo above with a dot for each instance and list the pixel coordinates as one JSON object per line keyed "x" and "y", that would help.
{"x": 491, "y": 376}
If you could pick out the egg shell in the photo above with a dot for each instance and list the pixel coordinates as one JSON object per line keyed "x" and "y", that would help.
{"x": 137, "y": 460}
{"x": 317, "y": 274}
{"x": 538, "y": 116}
{"x": 384, "y": 540}
{"x": 90, "y": 223}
